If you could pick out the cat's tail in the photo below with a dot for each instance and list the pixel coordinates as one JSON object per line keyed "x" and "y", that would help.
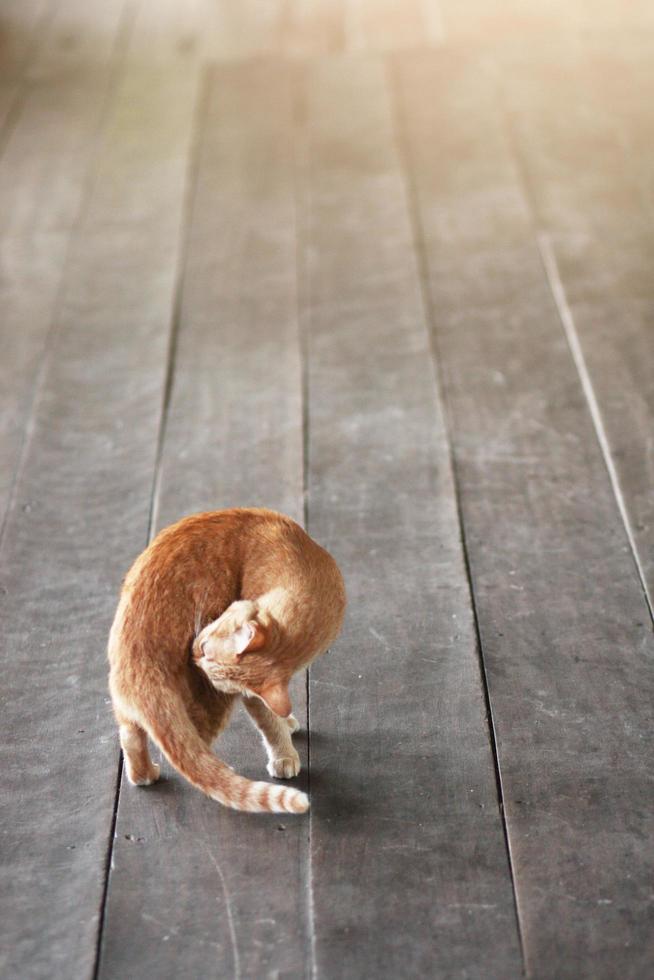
{"x": 162, "y": 713}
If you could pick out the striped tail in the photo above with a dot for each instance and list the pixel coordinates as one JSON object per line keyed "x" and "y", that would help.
{"x": 164, "y": 716}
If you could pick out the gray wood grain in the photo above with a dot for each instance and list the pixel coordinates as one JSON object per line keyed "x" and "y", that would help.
{"x": 409, "y": 870}
{"x": 78, "y": 517}
{"x": 196, "y": 889}
{"x": 400, "y": 870}
{"x": 564, "y": 624}
{"x": 44, "y": 172}
{"x": 584, "y": 138}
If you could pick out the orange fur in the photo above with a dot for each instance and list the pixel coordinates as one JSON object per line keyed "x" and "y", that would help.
{"x": 221, "y": 605}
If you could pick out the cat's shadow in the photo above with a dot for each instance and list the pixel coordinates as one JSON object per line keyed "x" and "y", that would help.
{"x": 363, "y": 778}
{"x": 336, "y": 790}
{"x": 328, "y": 796}
{"x": 331, "y": 796}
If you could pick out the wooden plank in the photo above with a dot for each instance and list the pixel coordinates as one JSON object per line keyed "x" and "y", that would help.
{"x": 169, "y": 33}
{"x": 555, "y": 131}
{"x": 232, "y": 901}
{"x": 239, "y": 29}
{"x": 409, "y": 869}
{"x": 43, "y": 175}
{"x": 21, "y": 25}
{"x": 493, "y": 21}
{"x": 313, "y": 27}
{"x": 387, "y": 25}
{"x": 583, "y": 139}
{"x": 563, "y": 621}
{"x": 500, "y": 20}
{"x": 77, "y": 518}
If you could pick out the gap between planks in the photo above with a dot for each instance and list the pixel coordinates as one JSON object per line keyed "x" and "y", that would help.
{"x": 566, "y": 317}
{"x": 300, "y": 156}
{"x": 557, "y": 291}
{"x": 188, "y": 194}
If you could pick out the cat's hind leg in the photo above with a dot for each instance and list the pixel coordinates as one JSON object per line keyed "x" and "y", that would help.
{"x": 283, "y": 760}
{"x": 140, "y": 769}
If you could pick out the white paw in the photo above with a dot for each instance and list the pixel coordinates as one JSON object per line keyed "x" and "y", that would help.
{"x": 148, "y": 780}
{"x": 285, "y": 767}
{"x": 292, "y": 723}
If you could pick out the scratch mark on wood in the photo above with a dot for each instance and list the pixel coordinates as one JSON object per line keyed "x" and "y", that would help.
{"x": 379, "y": 637}
{"x": 230, "y": 918}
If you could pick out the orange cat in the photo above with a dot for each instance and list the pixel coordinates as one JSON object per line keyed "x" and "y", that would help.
{"x": 221, "y": 605}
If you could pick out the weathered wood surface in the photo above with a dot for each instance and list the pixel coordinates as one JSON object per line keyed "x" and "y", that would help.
{"x": 384, "y": 25}
{"x": 313, "y": 27}
{"x": 491, "y": 21}
{"x": 77, "y": 517}
{"x": 528, "y": 126}
{"x": 22, "y": 23}
{"x": 409, "y": 873}
{"x": 239, "y": 29}
{"x": 589, "y": 176}
{"x": 564, "y": 625}
{"x": 196, "y": 889}
{"x": 44, "y": 170}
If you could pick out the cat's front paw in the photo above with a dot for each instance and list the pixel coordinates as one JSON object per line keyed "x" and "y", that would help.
{"x": 285, "y": 767}
{"x": 292, "y": 723}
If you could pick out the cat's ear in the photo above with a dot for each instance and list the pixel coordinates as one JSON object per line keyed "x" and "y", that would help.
{"x": 248, "y": 637}
{"x": 277, "y": 698}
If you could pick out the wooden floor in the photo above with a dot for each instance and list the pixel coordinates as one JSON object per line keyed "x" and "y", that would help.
{"x": 385, "y": 265}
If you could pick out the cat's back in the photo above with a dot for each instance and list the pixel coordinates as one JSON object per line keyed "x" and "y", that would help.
{"x": 273, "y": 540}
{"x": 281, "y": 553}
{"x": 234, "y": 541}
{"x": 194, "y": 569}
{"x": 196, "y": 548}
{"x": 190, "y": 569}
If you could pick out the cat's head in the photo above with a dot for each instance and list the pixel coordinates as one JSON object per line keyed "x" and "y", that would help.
{"x": 237, "y": 653}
